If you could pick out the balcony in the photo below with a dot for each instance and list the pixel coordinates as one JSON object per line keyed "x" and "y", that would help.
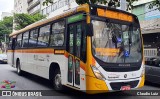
{"x": 55, "y": 6}
{"x": 33, "y": 4}
{"x": 35, "y": 10}
{"x": 28, "y": 1}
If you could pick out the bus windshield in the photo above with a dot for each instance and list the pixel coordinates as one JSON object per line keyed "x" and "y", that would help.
{"x": 116, "y": 43}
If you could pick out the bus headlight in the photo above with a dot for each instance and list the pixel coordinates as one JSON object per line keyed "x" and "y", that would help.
{"x": 97, "y": 73}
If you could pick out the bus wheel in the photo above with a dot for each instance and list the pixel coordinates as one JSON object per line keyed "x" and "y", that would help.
{"x": 19, "y": 71}
{"x": 57, "y": 84}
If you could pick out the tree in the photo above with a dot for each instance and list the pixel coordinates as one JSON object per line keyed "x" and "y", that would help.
{"x": 111, "y": 3}
{"x": 47, "y": 1}
{"x": 155, "y": 3}
{"x": 6, "y": 26}
{"x": 23, "y": 20}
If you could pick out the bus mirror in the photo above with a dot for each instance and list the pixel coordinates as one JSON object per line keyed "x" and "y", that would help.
{"x": 89, "y": 29}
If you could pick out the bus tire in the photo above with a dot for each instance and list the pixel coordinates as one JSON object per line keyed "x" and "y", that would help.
{"x": 19, "y": 71}
{"x": 56, "y": 80}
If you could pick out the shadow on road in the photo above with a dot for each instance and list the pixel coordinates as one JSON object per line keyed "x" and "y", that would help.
{"x": 36, "y": 79}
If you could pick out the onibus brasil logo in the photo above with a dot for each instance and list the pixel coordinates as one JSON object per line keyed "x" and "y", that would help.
{"x": 7, "y": 84}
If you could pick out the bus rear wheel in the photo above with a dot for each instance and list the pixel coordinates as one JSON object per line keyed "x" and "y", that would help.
{"x": 56, "y": 80}
{"x": 19, "y": 71}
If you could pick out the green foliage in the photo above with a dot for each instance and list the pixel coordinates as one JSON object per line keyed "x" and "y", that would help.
{"x": 47, "y": 1}
{"x": 130, "y": 2}
{"x": 6, "y": 26}
{"x": 155, "y": 3}
{"x": 111, "y": 3}
{"x": 23, "y": 20}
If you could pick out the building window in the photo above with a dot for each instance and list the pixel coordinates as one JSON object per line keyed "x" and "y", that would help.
{"x": 57, "y": 36}
{"x": 49, "y": 9}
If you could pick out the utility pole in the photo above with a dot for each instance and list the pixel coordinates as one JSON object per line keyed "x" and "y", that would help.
{"x": 123, "y": 5}
{"x": 5, "y": 44}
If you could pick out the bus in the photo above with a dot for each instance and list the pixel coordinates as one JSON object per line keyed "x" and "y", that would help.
{"x": 90, "y": 48}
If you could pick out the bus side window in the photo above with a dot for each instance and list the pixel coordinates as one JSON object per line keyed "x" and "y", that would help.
{"x": 33, "y": 38}
{"x": 19, "y": 41}
{"x": 13, "y": 43}
{"x": 25, "y": 39}
{"x": 43, "y": 37}
{"x": 57, "y": 35}
{"x": 10, "y": 43}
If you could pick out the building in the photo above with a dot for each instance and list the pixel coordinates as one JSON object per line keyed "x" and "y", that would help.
{"x": 58, "y": 7}
{"x": 27, "y": 6}
{"x": 150, "y": 26}
{"x": 5, "y": 14}
{"x": 34, "y": 6}
{"x": 20, "y": 6}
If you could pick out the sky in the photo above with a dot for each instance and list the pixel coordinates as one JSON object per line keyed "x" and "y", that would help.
{"x": 6, "y": 6}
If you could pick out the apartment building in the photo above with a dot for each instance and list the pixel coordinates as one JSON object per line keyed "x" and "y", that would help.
{"x": 20, "y": 6}
{"x": 34, "y": 6}
{"x": 57, "y": 7}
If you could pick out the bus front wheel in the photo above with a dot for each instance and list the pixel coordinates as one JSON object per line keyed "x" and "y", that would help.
{"x": 56, "y": 80}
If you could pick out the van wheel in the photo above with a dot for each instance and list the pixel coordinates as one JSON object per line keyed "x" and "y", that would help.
{"x": 19, "y": 71}
{"x": 57, "y": 81}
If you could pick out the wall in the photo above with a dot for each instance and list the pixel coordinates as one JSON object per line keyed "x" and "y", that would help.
{"x": 139, "y": 10}
{"x": 151, "y": 13}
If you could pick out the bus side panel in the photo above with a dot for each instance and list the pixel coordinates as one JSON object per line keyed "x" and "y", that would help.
{"x": 42, "y": 64}
{"x": 10, "y": 57}
{"x": 25, "y": 63}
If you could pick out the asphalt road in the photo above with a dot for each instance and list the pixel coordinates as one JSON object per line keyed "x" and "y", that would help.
{"x": 32, "y": 82}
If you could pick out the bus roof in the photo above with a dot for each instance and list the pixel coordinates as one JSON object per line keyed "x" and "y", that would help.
{"x": 84, "y": 7}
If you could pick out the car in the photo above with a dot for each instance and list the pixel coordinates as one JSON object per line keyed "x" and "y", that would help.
{"x": 3, "y": 58}
{"x": 152, "y": 71}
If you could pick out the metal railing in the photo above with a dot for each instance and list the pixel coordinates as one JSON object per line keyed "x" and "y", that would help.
{"x": 150, "y": 52}
{"x": 33, "y": 4}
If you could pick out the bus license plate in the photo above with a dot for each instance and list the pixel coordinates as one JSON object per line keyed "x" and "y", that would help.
{"x": 125, "y": 88}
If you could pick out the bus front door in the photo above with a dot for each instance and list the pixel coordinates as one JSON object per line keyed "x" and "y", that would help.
{"x": 74, "y": 49}
{"x": 13, "y": 51}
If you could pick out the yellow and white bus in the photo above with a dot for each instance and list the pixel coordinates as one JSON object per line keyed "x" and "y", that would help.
{"x": 90, "y": 48}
